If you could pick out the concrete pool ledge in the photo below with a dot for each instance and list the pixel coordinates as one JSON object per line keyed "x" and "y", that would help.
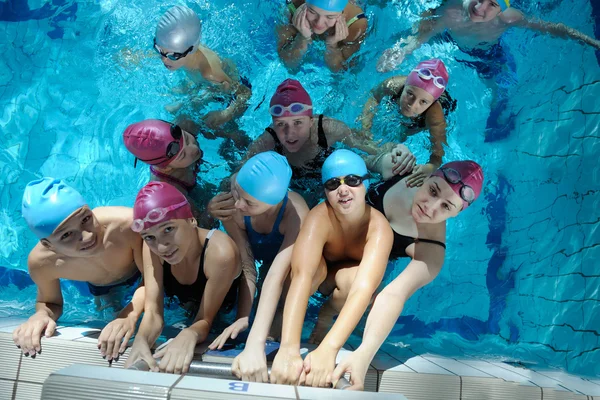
{"x": 417, "y": 377}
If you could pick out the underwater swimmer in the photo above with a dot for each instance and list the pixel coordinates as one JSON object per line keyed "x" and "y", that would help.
{"x": 342, "y": 232}
{"x": 421, "y": 98}
{"x": 474, "y": 24}
{"x": 199, "y": 266}
{"x": 418, "y": 218}
{"x": 94, "y": 246}
{"x": 266, "y": 225}
{"x": 340, "y": 24}
{"x": 177, "y": 42}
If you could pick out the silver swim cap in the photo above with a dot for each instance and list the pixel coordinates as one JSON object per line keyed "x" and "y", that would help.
{"x": 178, "y": 29}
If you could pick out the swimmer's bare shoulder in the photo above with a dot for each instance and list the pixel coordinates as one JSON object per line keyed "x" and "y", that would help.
{"x": 512, "y": 17}
{"x": 359, "y": 27}
{"x": 42, "y": 262}
{"x": 378, "y": 223}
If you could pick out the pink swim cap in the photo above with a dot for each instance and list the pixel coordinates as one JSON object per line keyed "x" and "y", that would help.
{"x": 154, "y": 141}
{"x": 467, "y": 172}
{"x": 289, "y": 92}
{"x": 427, "y": 77}
{"x": 158, "y": 202}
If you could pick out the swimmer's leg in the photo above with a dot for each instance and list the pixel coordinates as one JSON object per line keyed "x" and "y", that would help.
{"x": 338, "y": 283}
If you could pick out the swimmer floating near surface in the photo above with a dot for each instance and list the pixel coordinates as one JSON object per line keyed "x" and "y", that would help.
{"x": 341, "y": 25}
{"x": 94, "y": 246}
{"x": 177, "y": 41}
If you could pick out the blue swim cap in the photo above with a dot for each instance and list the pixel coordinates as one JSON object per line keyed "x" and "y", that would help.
{"x": 329, "y": 5}
{"x": 341, "y": 163}
{"x": 47, "y": 202}
{"x": 266, "y": 177}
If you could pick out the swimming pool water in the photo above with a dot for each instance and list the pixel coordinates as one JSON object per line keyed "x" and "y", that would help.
{"x": 521, "y": 277}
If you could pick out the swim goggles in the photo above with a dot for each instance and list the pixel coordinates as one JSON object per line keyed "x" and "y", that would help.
{"x": 173, "y": 148}
{"x": 350, "y": 180}
{"x": 294, "y": 108}
{"x": 426, "y": 74}
{"x": 453, "y": 176}
{"x": 154, "y": 215}
{"x": 174, "y": 56}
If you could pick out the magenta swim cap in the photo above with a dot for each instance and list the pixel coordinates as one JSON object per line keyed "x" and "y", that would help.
{"x": 154, "y": 141}
{"x": 158, "y": 202}
{"x": 459, "y": 175}
{"x": 291, "y": 99}
{"x": 431, "y": 76}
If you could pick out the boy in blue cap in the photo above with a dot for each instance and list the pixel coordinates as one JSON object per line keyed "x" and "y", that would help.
{"x": 77, "y": 243}
{"x": 341, "y": 25}
{"x": 342, "y": 232}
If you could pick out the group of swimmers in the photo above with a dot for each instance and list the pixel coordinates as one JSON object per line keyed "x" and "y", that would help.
{"x": 313, "y": 216}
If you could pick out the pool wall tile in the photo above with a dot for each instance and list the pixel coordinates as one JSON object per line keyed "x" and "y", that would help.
{"x": 477, "y": 388}
{"x": 28, "y": 391}
{"x": 10, "y": 357}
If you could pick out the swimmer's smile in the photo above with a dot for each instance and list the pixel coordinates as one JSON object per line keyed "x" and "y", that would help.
{"x": 91, "y": 245}
{"x": 170, "y": 255}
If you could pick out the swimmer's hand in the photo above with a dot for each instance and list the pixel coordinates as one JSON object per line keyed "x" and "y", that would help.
{"x": 356, "y": 364}
{"x": 341, "y": 32}
{"x": 390, "y": 59}
{"x": 216, "y": 118}
{"x": 419, "y": 174}
{"x": 319, "y": 365}
{"x": 232, "y": 331}
{"x": 288, "y": 368}
{"x": 403, "y": 160}
{"x": 27, "y": 336}
{"x": 141, "y": 350}
{"x": 222, "y": 206}
{"x": 178, "y": 354}
{"x": 251, "y": 364}
{"x": 301, "y": 23}
{"x": 114, "y": 337}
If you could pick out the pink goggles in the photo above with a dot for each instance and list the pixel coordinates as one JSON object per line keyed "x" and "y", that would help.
{"x": 295, "y": 108}
{"x": 155, "y": 215}
{"x": 426, "y": 74}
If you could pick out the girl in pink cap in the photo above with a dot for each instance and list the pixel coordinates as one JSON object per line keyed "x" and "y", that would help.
{"x": 306, "y": 140}
{"x": 418, "y": 219}
{"x": 423, "y": 101}
{"x": 174, "y": 156}
{"x": 198, "y": 266}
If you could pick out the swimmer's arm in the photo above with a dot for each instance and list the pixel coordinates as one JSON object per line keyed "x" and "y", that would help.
{"x": 222, "y": 265}
{"x": 248, "y": 283}
{"x": 291, "y": 45}
{"x": 516, "y": 18}
{"x": 278, "y": 272}
{"x": 368, "y": 277}
{"x": 153, "y": 319}
{"x": 306, "y": 258}
{"x": 338, "y": 132}
{"x": 49, "y": 301}
{"x": 135, "y": 308}
{"x": 240, "y": 104}
{"x": 436, "y": 123}
{"x": 337, "y": 55}
{"x": 388, "y": 305}
{"x": 389, "y": 87}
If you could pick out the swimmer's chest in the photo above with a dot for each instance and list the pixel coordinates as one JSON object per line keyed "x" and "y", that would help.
{"x": 346, "y": 245}
{"x": 112, "y": 265}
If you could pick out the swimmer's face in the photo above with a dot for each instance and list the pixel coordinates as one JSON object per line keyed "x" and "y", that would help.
{"x": 293, "y": 132}
{"x": 435, "y": 202}
{"x": 320, "y": 20}
{"x": 170, "y": 240}
{"x": 345, "y": 199}
{"x": 414, "y": 101}
{"x": 170, "y": 64}
{"x": 190, "y": 153}
{"x": 482, "y": 10}
{"x": 80, "y": 235}
{"x": 248, "y": 205}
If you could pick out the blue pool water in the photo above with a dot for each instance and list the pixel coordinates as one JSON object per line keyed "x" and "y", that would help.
{"x": 521, "y": 279}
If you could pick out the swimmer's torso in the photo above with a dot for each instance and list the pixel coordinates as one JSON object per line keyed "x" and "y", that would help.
{"x": 211, "y": 72}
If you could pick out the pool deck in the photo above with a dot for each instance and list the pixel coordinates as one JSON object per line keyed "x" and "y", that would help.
{"x": 418, "y": 377}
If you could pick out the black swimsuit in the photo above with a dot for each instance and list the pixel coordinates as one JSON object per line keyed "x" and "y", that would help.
{"x": 401, "y": 242}
{"x": 307, "y": 177}
{"x": 193, "y": 293}
{"x": 448, "y": 105}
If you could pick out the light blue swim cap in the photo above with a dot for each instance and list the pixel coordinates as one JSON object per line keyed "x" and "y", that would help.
{"x": 178, "y": 29}
{"x": 329, "y": 5}
{"x": 47, "y": 202}
{"x": 341, "y": 163}
{"x": 266, "y": 177}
